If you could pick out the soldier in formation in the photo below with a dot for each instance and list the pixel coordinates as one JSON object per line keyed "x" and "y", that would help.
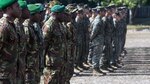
{"x": 35, "y": 49}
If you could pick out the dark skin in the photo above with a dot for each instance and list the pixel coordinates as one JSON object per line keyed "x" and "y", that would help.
{"x": 36, "y": 17}
{"x": 25, "y": 15}
{"x": 108, "y": 12}
{"x": 1, "y": 13}
{"x": 42, "y": 13}
{"x": 13, "y": 12}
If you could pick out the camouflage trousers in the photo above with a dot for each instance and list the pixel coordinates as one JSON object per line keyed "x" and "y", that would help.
{"x": 21, "y": 67}
{"x": 67, "y": 72}
{"x": 32, "y": 71}
{"x": 108, "y": 50}
{"x": 7, "y": 71}
{"x": 117, "y": 49}
{"x": 98, "y": 53}
{"x": 55, "y": 63}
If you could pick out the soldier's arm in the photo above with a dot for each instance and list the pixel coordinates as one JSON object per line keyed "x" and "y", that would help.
{"x": 3, "y": 36}
{"x": 47, "y": 35}
{"x": 3, "y": 40}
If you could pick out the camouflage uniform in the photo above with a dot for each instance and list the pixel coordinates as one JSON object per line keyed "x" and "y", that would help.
{"x": 117, "y": 41}
{"x": 40, "y": 40}
{"x": 109, "y": 30}
{"x": 87, "y": 37}
{"x": 21, "y": 58}
{"x": 55, "y": 45}
{"x": 8, "y": 51}
{"x": 97, "y": 39}
{"x": 32, "y": 59}
{"x": 69, "y": 64}
{"x": 83, "y": 40}
{"x": 124, "y": 29}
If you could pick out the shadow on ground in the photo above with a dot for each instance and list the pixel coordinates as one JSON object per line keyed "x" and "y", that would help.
{"x": 136, "y": 62}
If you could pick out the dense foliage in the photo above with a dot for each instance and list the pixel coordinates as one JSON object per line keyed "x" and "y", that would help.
{"x": 129, "y": 3}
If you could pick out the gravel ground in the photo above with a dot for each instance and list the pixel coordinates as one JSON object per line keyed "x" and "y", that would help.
{"x": 136, "y": 68}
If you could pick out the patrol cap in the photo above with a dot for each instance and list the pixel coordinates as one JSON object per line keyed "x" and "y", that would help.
{"x": 94, "y": 9}
{"x": 119, "y": 9}
{"x": 112, "y": 5}
{"x": 58, "y": 8}
{"x": 100, "y": 8}
{"x": 109, "y": 7}
{"x": 6, "y": 3}
{"x": 33, "y": 8}
{"x": 80, "y": 10}
{"x": 71, "y": 8}
{"x": 22, "y": 4}
{"x": 54, "y": 2}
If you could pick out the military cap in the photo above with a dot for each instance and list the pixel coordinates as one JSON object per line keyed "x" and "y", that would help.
{"x": 71, "y": 8}
{"x": 94, "y": 9}
{"x": 112, "y": 5}
{"x": 74, "y": 10}
{"x": 41, "y": 6}
{"x": 100, "y": 8}
{"x": 33, "y": 8}
{"x": 58, "y": 8}
{"x": 54, "y": 2}
{"x": 22, "y": 4}
{"x": 6, "y": 3}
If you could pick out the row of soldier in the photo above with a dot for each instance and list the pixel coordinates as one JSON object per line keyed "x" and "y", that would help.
{"x": 57, "y": 39}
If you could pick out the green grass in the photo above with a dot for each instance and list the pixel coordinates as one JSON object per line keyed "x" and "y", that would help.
{"x": 138, "y": 27}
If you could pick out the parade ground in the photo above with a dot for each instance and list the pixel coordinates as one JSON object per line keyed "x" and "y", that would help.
{"x": 136, "y": 68}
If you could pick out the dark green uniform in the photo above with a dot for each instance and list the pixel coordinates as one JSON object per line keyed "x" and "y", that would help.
{"x": 32, "y": 71}
{"x": 8, "y": 51}
{"x": 21, "y": 58}
{"x": 109, "y": 30}
{"x": 55, "y": 45}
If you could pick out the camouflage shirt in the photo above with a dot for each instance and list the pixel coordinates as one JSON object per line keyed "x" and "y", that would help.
{"x": 32, "y": 45}
{"x": 8, "y": 40}
{"x": 109, "y": 26}
{"x": 54, "y": 40}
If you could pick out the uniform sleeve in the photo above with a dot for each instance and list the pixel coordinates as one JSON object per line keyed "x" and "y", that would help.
{"x": 3, "y": 36}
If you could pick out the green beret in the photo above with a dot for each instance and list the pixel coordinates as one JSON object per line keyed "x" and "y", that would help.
{"x": 22, "y": 4}
{"x": 41, "y": 6}
{"x": 33, "y": 8}
{"x": 58, "y": 8}
{"x": 6, "y": 3}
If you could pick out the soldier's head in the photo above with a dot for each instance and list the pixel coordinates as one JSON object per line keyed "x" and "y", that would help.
{"x": 59, "y": 13}
{"x": 101, "y": 11}
{"x": 42, "y": 11}
{"x": 113, "y": 8}
{"x": 25, "y": 12}
{"x": 117, "y": 16}
{"x": 80, "y": 13}
{"x": 11, "y": 7}
{"x": 122, "y": 12}
{"x": 72, "y": 10}
{"x": 108, "y": 10}
{"x": 35, "y": 12}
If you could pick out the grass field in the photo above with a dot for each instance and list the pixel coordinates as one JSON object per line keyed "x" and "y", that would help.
{"x": 136, "y": 27}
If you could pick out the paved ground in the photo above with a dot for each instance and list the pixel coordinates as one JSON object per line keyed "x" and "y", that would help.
{"x": 136, "y": 68}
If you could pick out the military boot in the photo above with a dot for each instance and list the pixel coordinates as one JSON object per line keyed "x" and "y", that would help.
{"x": 97, "y": 72}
